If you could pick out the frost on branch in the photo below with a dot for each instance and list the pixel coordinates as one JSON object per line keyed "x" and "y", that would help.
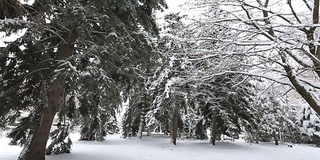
{"x": 12, "y": 25}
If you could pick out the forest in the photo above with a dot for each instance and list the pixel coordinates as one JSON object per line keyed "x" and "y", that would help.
{"x": 217, "y": 69}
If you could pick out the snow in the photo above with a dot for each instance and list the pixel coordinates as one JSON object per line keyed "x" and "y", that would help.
{"x": 10, "y": 21}
{"x": 157, "y": 147}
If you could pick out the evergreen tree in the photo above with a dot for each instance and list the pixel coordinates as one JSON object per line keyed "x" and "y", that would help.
{"x": 133, "y": 122}
{"x": 190, "y": 86}
{"x": 309, "y": 124}
{"x": 275, "y": 115}
{"x": 99, "y": 100}
{"x": 60, "y": 140}
{"x": 61, "y": 41}
{"x": 271, "y": 120}
{"x": 227, "y": 106}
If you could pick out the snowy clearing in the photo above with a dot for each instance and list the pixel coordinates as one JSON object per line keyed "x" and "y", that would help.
{"x": 158, "y": 148}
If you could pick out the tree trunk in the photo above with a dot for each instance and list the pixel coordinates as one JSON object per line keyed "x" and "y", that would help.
{"x": 175, "y": 124}
{"x": 148, "y": 132}
{"x": 199, "y": 130}
{"x": 314, "y": 50}
{"x": 36, "y": 146}
{"x": 301, "y": 89}
{"x": 214, "y": 128}
{"x": 35, "y": 149}
{"x": 139, "y": 134}
{"x": 166, "y": 127}
{"x": 276, "y": 141}
{"x": 257, "y": 137}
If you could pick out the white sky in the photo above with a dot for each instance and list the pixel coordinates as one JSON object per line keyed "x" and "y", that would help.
{"x": 173, "y": 4}
{"x": 173, "y": 7}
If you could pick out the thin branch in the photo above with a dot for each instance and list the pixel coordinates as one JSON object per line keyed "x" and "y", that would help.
{"x": 57, "y": 34}
{"x": 37, "y": 70}
{"x": 309, "y": 83}
{"x": 307, "y": 4}
{"x": 251, "y": 74}
{"x": 293, "y": 11}
{"x": 266, "y": 89}
{"x": 297, "y": 59}
{"x": 266, "y": 18}
{"x": 287, "y": 92}
{"x": 267, "y": 10}
{"x": 244, "y": 80}
{"x": 311, "y": 56}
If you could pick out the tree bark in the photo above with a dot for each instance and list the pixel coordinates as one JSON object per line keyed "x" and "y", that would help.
{"x": 166, "y": 127}
{"x": 200, "y": 130}
{"x": 214, "y": 128}
{"x": 175, "y": 124}
{"x": 36, "y": 147}
{"x": 306, "y": 95}
{"x": 315, "y": 50}
{"x": 139, "y": 134}
{"x": 276, "y": 141}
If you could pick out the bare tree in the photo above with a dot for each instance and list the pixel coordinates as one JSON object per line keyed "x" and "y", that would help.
{"x": 280, "y": 42}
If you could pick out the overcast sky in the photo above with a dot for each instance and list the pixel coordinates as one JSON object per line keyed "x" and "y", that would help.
{"x": 173, "y": 4}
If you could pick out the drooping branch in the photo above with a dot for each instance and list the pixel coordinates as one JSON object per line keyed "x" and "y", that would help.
{"x": 252, "y": 75}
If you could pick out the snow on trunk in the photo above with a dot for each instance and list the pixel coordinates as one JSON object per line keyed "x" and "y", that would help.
{"x": 139, "y": 134}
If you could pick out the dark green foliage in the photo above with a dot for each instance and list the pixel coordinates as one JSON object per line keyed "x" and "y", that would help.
{"x": 139, "y": 105}
{"x": 19, "y": 133}
{"x": 200, "y": 130}
{"x": 98, "y": 99}
{"x": 22, "y": 127}
{"x": 230, "y": 95}
{"x": 11, "y": 9}
{"x": 113, "y": 44}
{"x": 230, "y": 102}
{"x": 60, "y": 140}
{"x": 309, "y": 124}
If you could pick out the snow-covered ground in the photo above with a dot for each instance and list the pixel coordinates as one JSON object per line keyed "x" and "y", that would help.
{"x": 158, "y": 147}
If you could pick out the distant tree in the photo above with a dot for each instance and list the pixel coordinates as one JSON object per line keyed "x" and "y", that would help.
{"x": 272, "y": 119}
{"x": 309, "y": 123}
{"x": 227, "y": 106}
{"x": 192, "y": 85}
{"x": 98, "y": 103}
{"x": 133, "y": 121}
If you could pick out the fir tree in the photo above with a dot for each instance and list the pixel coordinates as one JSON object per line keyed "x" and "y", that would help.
{"x": 222, "y": 101}
{"x": 309, "y": 124}
{"x": 62, "y": 39}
